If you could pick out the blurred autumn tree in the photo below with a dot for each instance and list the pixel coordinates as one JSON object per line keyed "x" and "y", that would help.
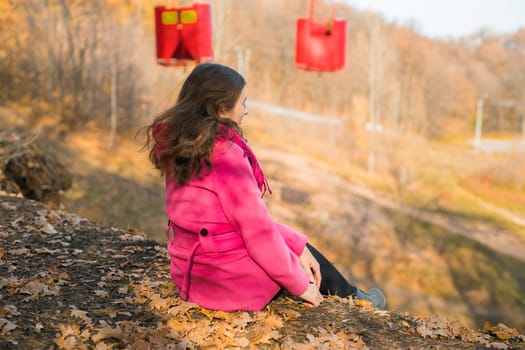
{"x": 64, "y": 55}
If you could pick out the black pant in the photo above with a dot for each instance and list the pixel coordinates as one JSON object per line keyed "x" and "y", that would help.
{"x": 332, "y": 283}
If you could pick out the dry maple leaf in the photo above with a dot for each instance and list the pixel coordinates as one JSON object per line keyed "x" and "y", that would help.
{"x": 141, "y": 344}
{"x": 270, "y": 320}
{"x": 123, "y": 290}
{"x": 180, "y": 327}
{"x": 103, "y": 346}
{"x": 198, "y": 331}
{"x": 423, "y": 331}
{"x": 69, "y": 329}
{"x": 157, "y": 302}
{"x": 243, "y": 341}
{"x": 367, "y": 304}
{"x": 6, "y": 326}
{"x": 128, "y": 237}
{"x": 289, "y": 314}
{"x": 10, "y": 282}
{"x": 9, "y": 310}
{"x": 33, "y": 288}
{"x": 124, "y": 301}
{"x": 264, "y": 335}
{"x": 212, "y": 314}
{"x": 80, "y": 314}
{"x": 182, "y": 308}
{"x": 69, "y": 338}
{"x": 60, "y": 242}
{"x": 499, "y": 345}
{"x": 63, "y": 343}
{"x": 38, "y": 327}
{"x": 22, "y": 251}
{"x": 85, "y": 335}
{"x": 102, "y": 293}
{"x": 8, "y": 206}
{"x": 357, "y": 342}
{"x": 47, "y": 251}
{"x": 501, "y": 331}
{"x": 242, "y": 320}
{"x": 48, "y": 228}
{"x": 106, "y": 333}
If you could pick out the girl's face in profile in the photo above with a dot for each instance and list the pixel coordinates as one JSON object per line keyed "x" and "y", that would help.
{"x": 238, "y": 111}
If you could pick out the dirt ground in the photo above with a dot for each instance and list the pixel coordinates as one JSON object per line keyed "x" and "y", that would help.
{"x": 66, "y": 283}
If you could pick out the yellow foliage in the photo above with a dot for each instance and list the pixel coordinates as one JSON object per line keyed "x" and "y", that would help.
{"x": 7, "y": 17}
{"x": 5, "y": 6}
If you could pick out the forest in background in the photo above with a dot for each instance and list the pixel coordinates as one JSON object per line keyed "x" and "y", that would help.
{"x": 87, "y": 69}
{"x": 69, "y": 56}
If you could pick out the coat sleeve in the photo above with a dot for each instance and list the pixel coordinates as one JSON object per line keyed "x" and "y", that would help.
{"x": 294, "y": 240}
{"x": 241, "y": 201}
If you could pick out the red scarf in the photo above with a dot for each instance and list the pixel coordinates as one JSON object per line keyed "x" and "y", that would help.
{"x": 226, "y": 133}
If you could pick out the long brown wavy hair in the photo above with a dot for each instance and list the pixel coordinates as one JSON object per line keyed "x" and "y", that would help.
{"x": 181, "y": 138}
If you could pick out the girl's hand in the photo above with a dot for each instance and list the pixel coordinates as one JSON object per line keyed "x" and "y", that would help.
{"x": 312, "y": 297}
{"x": 311, "y": 266}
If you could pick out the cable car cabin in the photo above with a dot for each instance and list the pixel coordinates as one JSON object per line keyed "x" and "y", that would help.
{"x": 183, "y": 34}
{"x": 320, "y": 46}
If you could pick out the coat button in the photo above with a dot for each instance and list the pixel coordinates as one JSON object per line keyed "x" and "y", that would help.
{"x": 204, "y": 232}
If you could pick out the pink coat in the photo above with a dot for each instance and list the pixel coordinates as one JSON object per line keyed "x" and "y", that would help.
{"x": 227, "y": 253}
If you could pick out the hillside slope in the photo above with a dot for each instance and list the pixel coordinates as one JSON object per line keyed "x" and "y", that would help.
{"x": 67, "y": 283}
{"x": 416, "y": 257}
{"x": 457, "y": 266}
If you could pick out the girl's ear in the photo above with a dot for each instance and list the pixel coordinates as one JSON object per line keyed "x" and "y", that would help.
{"x": 223, "y": 114}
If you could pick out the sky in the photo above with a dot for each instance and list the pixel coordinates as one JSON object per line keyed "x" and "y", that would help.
{"x": 450, "y": 19}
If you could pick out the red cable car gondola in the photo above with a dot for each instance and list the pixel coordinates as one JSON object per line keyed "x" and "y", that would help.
{"x": 183, "y": 34}
{"x": 320, "y": 46}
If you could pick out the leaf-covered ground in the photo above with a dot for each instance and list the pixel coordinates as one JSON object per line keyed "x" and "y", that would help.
{"x": 66, "y": 283}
